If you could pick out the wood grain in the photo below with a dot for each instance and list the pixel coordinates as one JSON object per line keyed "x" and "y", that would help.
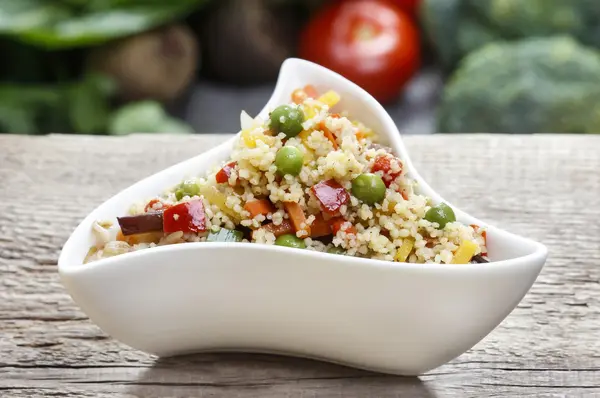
{"x": 545, "y": 186}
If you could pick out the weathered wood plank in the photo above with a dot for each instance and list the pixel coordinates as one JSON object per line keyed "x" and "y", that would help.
{"x": 545, "y": 187}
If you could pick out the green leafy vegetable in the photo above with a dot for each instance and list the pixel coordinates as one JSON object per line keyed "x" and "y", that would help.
{"x": 89, "y": 110}
{"x": 21, "y": 106}
{"x": 145, "y": 117}
{"x": 57, "y": 24}
{"x": 536, "y": 85}
{"x": 457, "y": 27}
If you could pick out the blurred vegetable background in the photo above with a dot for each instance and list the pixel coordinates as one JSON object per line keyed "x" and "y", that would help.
{"x": 189, "y": 66}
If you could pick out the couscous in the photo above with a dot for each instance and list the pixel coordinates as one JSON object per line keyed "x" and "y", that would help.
{"x": 304, "y": 178}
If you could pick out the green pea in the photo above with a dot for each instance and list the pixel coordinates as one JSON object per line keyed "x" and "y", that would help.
{"x": 368, "y": 188}
{"x": 287, "y": 119}
{"x": 187, "y": 188}
{"x": 336, "y": 250}
{"x": 289, "y": 160}
{"x": 290, "y": 240}
{"x": 441, "y": 214}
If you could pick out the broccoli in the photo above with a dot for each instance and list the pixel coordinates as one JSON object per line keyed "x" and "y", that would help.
{"x": 457, "y": 27}
{"x": 536, "y": 85}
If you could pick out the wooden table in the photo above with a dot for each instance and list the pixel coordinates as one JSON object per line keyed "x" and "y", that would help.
{"x": 545, "y": 187}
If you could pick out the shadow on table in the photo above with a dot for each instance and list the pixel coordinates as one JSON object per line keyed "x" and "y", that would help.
{"x": 264, "y": 376}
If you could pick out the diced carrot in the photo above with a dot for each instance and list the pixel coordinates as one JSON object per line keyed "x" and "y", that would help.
{"x": 282, "y": 229}
{"x": 329, "y": 135}
{"x": 335, "y": 115}
{"x": 260, "y": 206}
{"x": 404, "y": 195}
{"x": 483, "y": 235}
{"x": 360, "y": 135}
{"x": 298, "y": 218}
{"x": 319, "y": 227}
{"x": 311, "y": 91}
{"x": 336, "y": 225}
{"x": 299, "y": 95}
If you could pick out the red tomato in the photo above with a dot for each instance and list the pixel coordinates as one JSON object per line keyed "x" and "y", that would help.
{"x": 331, "y": 195}
{"x": 373, "y": 43}
{"x": 412, "y": 6}
{"x": 188, "y": 217}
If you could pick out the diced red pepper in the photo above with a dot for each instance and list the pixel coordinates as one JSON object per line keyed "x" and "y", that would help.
{"x": 319, "y": 227}
{"x": 338, "y": 222}
{"x": 223, "y": 175}
{"x": 188, "y": 217}
{"x": 331, "y": 195}
{"x": 384, "y": 164}
{"x": 150, "y": 205}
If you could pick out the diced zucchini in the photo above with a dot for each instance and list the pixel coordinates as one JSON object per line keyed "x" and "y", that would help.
{"x": 225, "y": 235}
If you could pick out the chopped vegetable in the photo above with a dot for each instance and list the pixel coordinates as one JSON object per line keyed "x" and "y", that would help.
{"x": 404, "y": 250}
{"x": 465, "y": 252}
{"x": 260, "y": 206}
{"x": 287, "y": 120}
{"x": 311, "y": 91}
{"x": 330, "y": 98}
{"x": 298, "y": 218}
{"x": 329, "y": 135}
{"x": 147, "y": 237}
{"x": 284, "y": 228}
{"x": 483, "y": 235}
{"x": 368, "y": 188}
{"x": 212, "y": 195}
{"x": 441, "y": 214}
{"x": 188, "y": 217}
{"x": 479, "y": 259}
{"x": 299, "y": 96}
{"x": 187, "y": 188}
{"x": 331, "y": 195}
{"x": 319, "y": 227}
{"x": 339, "y": 223}
{"x": 336, "y": 250}
{"x": 148, "y": 222}
{"x": 384, "y": 164}
{"x": 223, "y": 175}
{"x": 150, "y": 205}
{"x": 225, "y": 235}
{"x": 290, "y": 240}
{"x": 289, "y": 160}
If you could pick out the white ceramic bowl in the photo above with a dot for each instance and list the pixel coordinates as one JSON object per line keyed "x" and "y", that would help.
{"x": 388, "y": 317}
